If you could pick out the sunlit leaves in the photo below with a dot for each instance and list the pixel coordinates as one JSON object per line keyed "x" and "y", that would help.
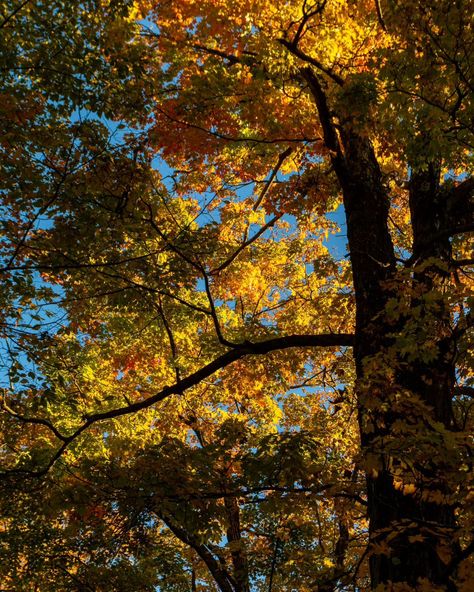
{"x": 170, "y": 197}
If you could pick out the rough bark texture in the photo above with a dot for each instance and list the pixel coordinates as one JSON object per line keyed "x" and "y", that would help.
{"x": 418, "y": 526}
{"x": 234, "y": 537}
{"x": 390, "y": 509}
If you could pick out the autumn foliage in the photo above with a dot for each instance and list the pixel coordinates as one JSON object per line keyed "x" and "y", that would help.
{"x": 236, "y": 302}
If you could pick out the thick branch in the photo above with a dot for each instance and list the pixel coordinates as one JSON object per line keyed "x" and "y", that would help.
{"x": 247, "y": 57}
{"x": 463, "y": 191}
{"x": 380, "y": 15}
{"x": 329, "y": 132}
{"x": 231, "y": 58}
{"x": 294, "y": 49}
{"x": 220, "y": 575}
{"x": 464, "y": 391}
{"x": 238, "y": 352}
{"x": 215, "y": 318}
{"x": 245, "y": 349}
{"x": 246, "y": 494}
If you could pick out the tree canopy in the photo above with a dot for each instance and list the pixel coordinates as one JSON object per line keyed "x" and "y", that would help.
{"x": 236, "y": 304}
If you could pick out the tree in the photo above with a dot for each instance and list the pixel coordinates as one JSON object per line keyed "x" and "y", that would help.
{"x": 203, "y": 391}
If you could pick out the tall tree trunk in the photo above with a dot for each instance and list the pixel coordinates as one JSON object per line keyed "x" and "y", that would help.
{"x": 411, "y": 526}
{"x": 403, "y": 399}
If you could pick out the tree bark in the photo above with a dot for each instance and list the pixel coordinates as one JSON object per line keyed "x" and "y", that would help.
{"x": 409, "y": 531}
{"x": 238, "y": 552}
{"x": 223, "y": 579}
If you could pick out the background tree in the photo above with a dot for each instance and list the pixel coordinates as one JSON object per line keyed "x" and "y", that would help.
{"x": 220, "y": 396}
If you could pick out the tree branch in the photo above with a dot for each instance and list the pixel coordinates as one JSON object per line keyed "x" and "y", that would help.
{"x": 215, "y": 318}
{"x": 292, "y": 48}
{"x": 240, "y": 351}
{"x": 380, "y": 15}
{"x": 464, "y": 391}
{"x": 36, "y": 421}
{"x": 221, "y": 362}
{"x": 245, "y": 244}
{"x": 220, "y": 575}
{"x": 14, "y": 13}
{"x": 281, "y": 159}
{"x": 236, "y": 138}
{"x": 329, "y": 132}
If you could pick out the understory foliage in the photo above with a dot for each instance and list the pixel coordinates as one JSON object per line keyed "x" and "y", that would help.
{"x": 237, "y": 283}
